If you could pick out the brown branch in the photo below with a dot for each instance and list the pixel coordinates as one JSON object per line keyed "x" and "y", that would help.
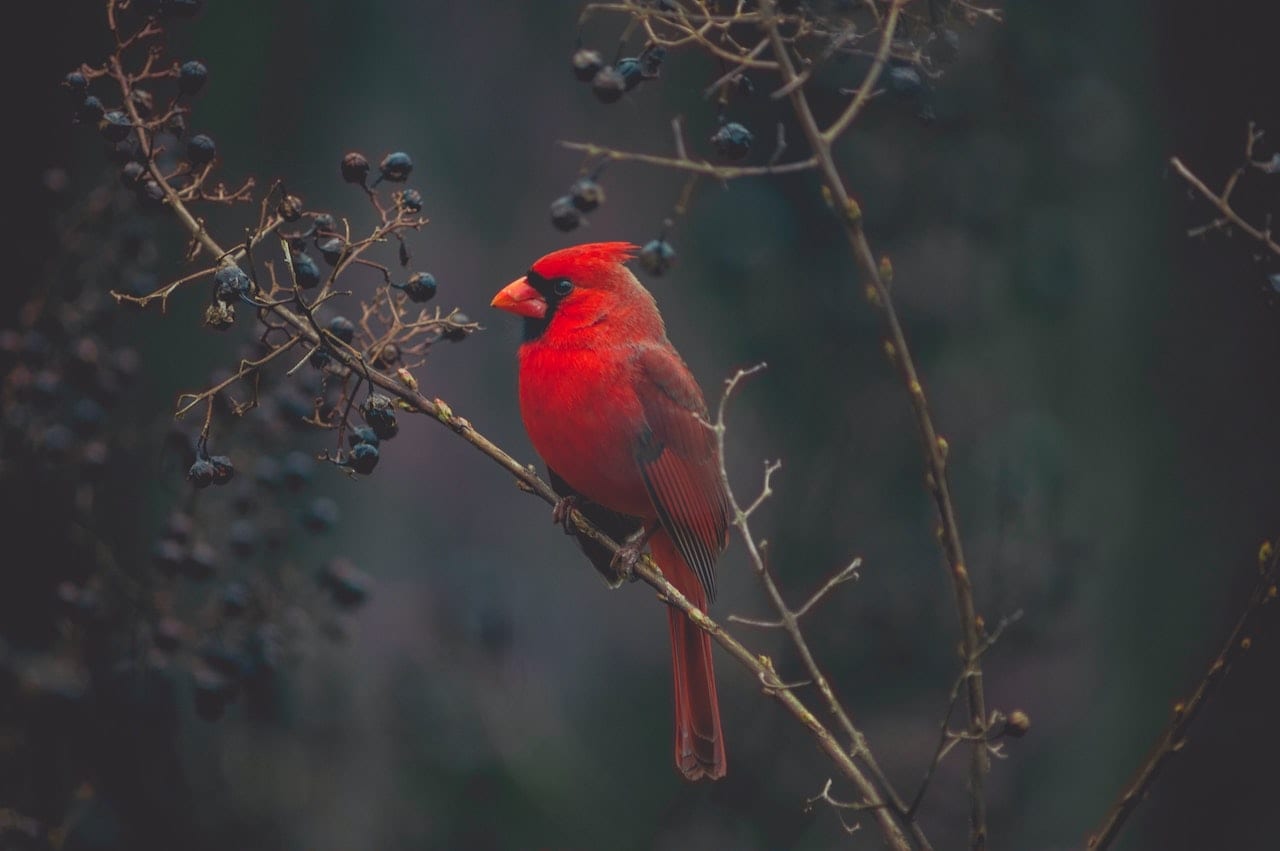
{"x": 935, "y": 459}
{"x": 1184, "y": 712}
{"x": 1222, "y": 204}
{"x": 790, "y": 621}
{"x": 412, "y": 400}
{"x": 723, "y": 172}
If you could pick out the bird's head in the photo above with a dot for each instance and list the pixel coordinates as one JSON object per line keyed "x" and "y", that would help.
{"x": 581, "y": 287}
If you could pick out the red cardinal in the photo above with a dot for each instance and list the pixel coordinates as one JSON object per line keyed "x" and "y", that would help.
{"x": 615, "y": 413}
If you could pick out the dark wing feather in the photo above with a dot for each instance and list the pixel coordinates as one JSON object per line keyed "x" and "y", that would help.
{"x": 615, "y": 525}
{"x": 678, "y": 460}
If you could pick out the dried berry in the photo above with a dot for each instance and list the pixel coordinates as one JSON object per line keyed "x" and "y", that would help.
{"x": 657, "y": 257}
{"x": 608, "y": 85}
{"x": 732, "y": 141}
{"x": 632, "y": 72}
{"x": 324, "y": 223}
{"x": 380, "y": 415}
{"x": 564, "y": 214}
{"x": 224, "y": 470}
{"x": 586, "y": 64}
{"x": 586, "y": 194}
{"x": 355, "y": 168}
{"x": 905, "y": 81}
{"x": 202, "y": 473}
{"x": 297, "y": 470}
{"x": 320, "y": 515}
{"x": 76, "y": 83}
{"x": 395, "y": 167}
{"x": 289, "y": 208}
{"x": 191, "y": 77}
{"x": 90, "y": 110}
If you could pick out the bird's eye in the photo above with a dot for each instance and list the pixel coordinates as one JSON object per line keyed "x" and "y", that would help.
{"x": 563, "y": 287}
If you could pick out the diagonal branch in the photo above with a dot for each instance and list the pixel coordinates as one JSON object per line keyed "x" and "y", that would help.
{"x": 1184, "y": 712}
{"x": 935, "y": 458}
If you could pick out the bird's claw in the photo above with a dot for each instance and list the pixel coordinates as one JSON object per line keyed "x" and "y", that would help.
{"x": 625, "y": 560}
{"x": 562, "y": 511}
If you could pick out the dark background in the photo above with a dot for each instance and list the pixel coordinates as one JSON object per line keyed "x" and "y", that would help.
{"x": 1108, "y": 388}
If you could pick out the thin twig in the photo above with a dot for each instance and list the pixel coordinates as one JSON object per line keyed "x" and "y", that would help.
{"x": 1262, "y": 235}
{"x": 1184, "y": 712}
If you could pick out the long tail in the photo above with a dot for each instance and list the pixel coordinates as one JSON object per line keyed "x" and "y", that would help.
{"x": 699, "y": 741}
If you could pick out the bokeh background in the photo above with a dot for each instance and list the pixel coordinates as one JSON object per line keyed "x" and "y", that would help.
{"x": 1108, "y": 388}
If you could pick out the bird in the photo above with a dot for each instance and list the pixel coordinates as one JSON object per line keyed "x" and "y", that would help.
{"x": 619, "y": 419}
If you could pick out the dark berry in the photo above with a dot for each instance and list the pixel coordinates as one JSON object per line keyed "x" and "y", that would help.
{"x": 242, "y": 537}
{"x": 363, "y": 458}
{"x": 320, "y": 515}
{"x": 90, "y": 110}
{"x": 380, "y": 415}
{"x": 131, "y": 173}
{"x": 586, "y": 64}
{"x": 586, "y": 194}
{"x": 201, "y": 150}
{"x": 289, "y": 208}
{"x": 298, "y": 467}
{"x": 355, "y": 168}
{"x": 305, "y": 271}
{"x": 324, "y": 223}
{"x": 266, "y": 472}
{"x": 235, "y": 599}
{"x": 320, "y": 358}
{"x": 361, "y": 434}
{"x": 87, "y": 417}
{"x": 455, "y": 333}
{"x": 650, "y": 60}
{"x": 564, "y": 214}
{"x": 224, "y": 470}
{"x": 420, "y": 287}
{"x": 202, "y": 473}
{"x": 210, "y": 690}
{"x": 657, "y": 257}
{"x": 632, "y": 72}
{"x": 608, "y": 85}
{"x": 179, "y": 527}
{"x": 331, "y": 249}
{"x": 395, "y": 167}
{"x": 231, "y": 283}
{"x": 348, "y": 585}
{"x": 168, "y": 633}
{"x": 342, "y": 328}
{"x": 168, "y": 556}
{"x": 387, "y": 356}
{"x": 905, "y": 82}
{"x": 411, "y": 200}
{"x": 732, "y": 141}
{"x": 191, "y": 77}
{"x": 76, "y": 83}
{"x": 201, "y": 562}
{"x": 115, "y": 126}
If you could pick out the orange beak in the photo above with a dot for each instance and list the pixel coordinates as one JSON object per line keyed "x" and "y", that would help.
{"x": 519, "y": 298}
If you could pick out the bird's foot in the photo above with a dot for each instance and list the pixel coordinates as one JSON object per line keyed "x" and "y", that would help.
{"x": 628, "y": 555}
{"x": 562, "y": 512}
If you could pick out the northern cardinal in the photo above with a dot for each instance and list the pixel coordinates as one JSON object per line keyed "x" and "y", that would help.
{"x": 614, "y": 411}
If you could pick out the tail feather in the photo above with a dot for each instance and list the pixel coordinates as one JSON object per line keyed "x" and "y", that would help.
{"x": 699, "y": 742}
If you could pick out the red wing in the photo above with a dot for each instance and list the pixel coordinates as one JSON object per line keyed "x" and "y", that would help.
{"x": 678, "y": 460}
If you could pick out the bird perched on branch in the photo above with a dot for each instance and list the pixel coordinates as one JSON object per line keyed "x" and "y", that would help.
{"x": 621, "y": 423}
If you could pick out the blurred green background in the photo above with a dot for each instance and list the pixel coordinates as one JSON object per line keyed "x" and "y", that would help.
{"x": 1108, "y": 388}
